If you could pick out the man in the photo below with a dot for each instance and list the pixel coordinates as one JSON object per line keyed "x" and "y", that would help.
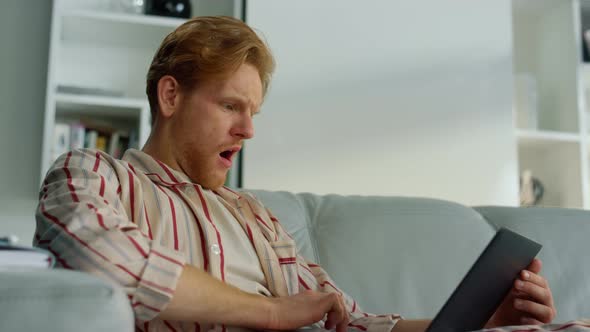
{"x": 187, "y": 250}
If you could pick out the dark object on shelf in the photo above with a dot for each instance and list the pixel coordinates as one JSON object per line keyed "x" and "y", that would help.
{"x": 170, "y": 8}
{"x": 585, "y": 46}
{"x": 531, "y": 189}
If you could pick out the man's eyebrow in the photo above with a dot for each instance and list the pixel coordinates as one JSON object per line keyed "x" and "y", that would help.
{"x": 244, "y": 101}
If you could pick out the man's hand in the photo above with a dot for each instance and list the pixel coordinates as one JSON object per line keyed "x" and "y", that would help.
{"x": 529, "y": 302}
{"x": 306, "y": 308}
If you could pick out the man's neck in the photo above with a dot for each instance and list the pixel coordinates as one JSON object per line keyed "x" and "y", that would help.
{"x": 158, "y": 147}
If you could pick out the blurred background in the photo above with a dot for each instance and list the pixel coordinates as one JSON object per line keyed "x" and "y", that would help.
{"x": 481, "y": 103}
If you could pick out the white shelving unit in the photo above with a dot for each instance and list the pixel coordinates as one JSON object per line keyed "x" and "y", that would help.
{"x": 104, "y": 55}
{"x": 548, "y": 49}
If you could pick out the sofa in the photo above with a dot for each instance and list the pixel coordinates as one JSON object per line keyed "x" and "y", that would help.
{"x": 393, "y": 254}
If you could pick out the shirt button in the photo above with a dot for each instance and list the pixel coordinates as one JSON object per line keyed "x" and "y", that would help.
{"x": 215, "y": 249}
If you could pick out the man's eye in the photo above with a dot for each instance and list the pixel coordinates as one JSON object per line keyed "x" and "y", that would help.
{"x": 229, "y": 107}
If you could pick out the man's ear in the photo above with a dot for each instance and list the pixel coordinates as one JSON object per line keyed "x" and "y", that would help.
{"x": 168, "y": 95}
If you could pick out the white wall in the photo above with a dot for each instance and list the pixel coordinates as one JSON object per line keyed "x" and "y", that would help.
{"x": 389, "y": 97}
{"x": 24, "y": 36}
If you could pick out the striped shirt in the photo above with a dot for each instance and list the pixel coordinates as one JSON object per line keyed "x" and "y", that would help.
{"x": 137, "y": 222}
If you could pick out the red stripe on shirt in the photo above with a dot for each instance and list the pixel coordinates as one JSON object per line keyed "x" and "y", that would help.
{"x": 233, "y": 192}
{"x": 74, "y": 236}
{"x": 303, "y": 283}
{"x": 173, "y": 213}
{"x": 353, "y": 306}
{"x": 145, "y": 305}
{"x": 197, "y": 327}
{"x": 570, "y": 325}
{"x": 147, "y": 220}
{"x": 102, "y": 185}
{"x": 169, "y": 326}
{"x": 132, "y": 168}
{"x": 221, "y": 253}
{"x": 175, "y": 227}
{"x": 98, "y": 216}
{"x": 96, "y": 162}
{"x": 331, "y": 285}
{"x": 169, "y": 184}
{"x": 69, "y": 178}
{"x": 131, "y": 196}
{"x": 250, "y": 235}
{"x": 146, "y": 326}
{"x": 147, "y": 282}
{"x": 306, "y": 268}
{"x": 201, "y": 233}
{"x": 67, "y": 162}
{"x": 71, "y": 185}
{"x": 137, "y": 246}
{"x": 135, "y": 276}
{"x": 167, "y": 258}
{"x": 59, "y": 259}
{"x": 261, "y": 221}
{"x": 167, "y": 170}
{"x": 288, "y": 260}
{"x": 203, "y": 203}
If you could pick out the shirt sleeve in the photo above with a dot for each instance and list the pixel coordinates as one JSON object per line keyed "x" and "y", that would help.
{"x": 313, "y": 277}
{"x": 83, "y": 219}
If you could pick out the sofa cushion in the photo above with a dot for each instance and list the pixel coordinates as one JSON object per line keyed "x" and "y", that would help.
{"x": 60, "y": 301}
{"x": 392, "y": 254}
{"x": 295, "y": 216}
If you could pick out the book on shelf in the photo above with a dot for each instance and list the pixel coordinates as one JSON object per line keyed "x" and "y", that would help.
{"x": 61, "y": 140}
{"x": 15, "y": 256}
{"x": 101, "y": 142}
{"x": 77, "y": 135}
{"x": 90, "y": 139}
{"x": 87, "y": 134}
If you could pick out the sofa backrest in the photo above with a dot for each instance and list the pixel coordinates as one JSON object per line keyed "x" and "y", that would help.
{"x": 407, "y": 255}
{"x": 565, "y": 235}
{"x": 392, "y": 254}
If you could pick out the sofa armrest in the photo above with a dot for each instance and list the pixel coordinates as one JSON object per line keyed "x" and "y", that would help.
{"x": 61, "y": 300}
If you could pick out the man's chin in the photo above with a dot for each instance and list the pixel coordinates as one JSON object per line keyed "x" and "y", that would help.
{"x": 212, "y": 183}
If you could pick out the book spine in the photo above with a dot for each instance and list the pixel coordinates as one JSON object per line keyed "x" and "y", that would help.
{"x": 77, "y": 136}
{"x": 61, "y": 140}
{"x": 90, "y": 141}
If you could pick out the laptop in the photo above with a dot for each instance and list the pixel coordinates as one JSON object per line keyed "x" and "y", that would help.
{"x": 486, "y": 284}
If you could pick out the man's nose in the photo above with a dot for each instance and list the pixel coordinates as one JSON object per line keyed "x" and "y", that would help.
{"x": 243, "y": 128}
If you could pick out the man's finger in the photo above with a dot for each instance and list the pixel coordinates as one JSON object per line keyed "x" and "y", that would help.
{"x": 536, "y": 266}
{"x": 532, "y": 291}
{"x": 530, "y": 321}
{"x": 343, "y": 325}
{"x": 533, "y": 277}
{"x": 537, "y": 311}
{"x": 337, "y": 315}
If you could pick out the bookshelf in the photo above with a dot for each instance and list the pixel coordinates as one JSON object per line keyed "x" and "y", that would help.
{"x": 548, "y": 50}
{"x": 98, "y": 60}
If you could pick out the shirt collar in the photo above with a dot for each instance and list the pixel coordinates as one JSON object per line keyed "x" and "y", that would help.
{"x": 163, "y": 174}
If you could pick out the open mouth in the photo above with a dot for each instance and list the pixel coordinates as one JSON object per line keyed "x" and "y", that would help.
{"x": 227, "y": 154}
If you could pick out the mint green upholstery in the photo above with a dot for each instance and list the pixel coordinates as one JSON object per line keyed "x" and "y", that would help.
{"x": 393, "y": 254}
{"x": 406, "y": 255}
{"x": 60, "y": 301}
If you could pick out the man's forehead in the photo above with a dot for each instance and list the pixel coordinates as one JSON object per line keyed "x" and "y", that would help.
{"x": 248, "y": 90}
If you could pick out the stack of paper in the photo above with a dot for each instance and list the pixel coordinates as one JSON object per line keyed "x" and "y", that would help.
{"x": 13, "y": 256}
